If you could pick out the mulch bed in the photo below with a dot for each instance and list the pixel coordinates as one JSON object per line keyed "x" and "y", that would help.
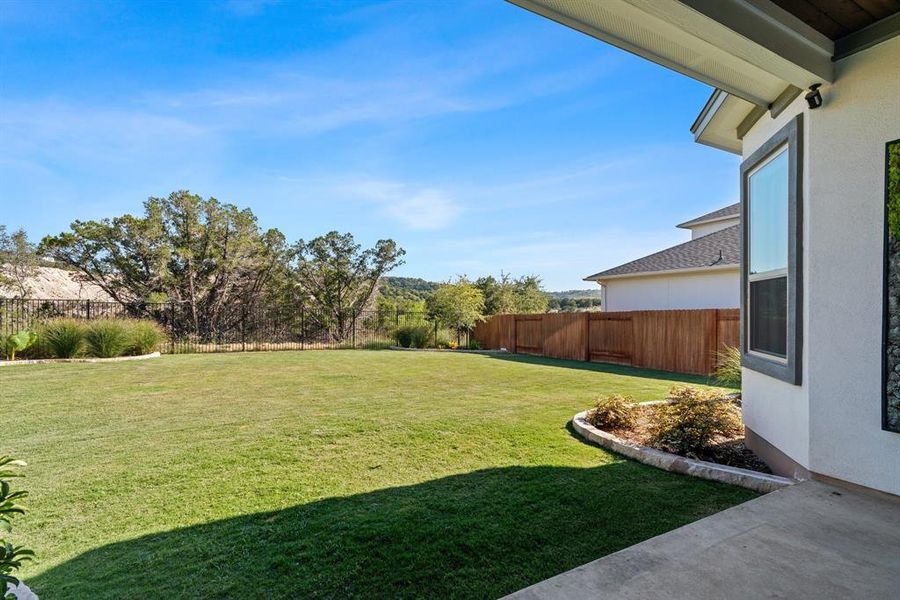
{"x": 726, "y": 451}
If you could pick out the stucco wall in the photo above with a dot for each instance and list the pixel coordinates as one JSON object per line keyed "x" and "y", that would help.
{"x": 836, "y": 412}
{"x": 719, "y": 289}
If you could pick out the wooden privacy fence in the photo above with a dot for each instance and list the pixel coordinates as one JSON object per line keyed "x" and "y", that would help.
{"x": 682, "y": 341}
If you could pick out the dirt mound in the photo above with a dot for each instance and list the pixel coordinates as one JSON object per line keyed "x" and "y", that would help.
{"x": 51, "y": 283}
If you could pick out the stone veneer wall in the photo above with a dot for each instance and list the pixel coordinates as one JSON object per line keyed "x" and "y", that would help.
{"x": 892, "y": 345}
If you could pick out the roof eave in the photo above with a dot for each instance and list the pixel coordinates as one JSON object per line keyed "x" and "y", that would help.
{"x": 692, "y": 224}
{"x": 600, "y": 277}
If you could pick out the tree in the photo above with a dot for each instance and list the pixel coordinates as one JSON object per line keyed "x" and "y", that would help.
{"x": 18, "y": 260}
{"x": 508, "y": 295}
{"x": 459, "y": 304}
{"x": 202, "y": 254}
{"x": 568, "y": 305}
{"x": 339, "y": 278}
{"x": 499, "y": 296}
{"x": 530, "y": 298}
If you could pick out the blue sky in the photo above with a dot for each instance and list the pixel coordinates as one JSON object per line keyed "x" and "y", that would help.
{"x": 480, "y": 136}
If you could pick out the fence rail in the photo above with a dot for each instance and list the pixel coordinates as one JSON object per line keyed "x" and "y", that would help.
{"x": 236, "y": 328}
{"x": 682, "y": 341}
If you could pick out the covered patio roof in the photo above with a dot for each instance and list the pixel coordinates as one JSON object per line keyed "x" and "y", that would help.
{"x": 758, "y": 54}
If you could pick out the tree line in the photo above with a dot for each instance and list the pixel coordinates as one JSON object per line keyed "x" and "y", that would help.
{"x": 462, "y": 302}
{"x": 213, "y": 261}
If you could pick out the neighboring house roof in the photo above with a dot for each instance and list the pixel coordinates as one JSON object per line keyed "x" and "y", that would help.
{"x": 729, "y": 212}
{"x": 716, "y": 250}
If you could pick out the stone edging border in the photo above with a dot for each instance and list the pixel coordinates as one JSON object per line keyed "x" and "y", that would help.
{"x": 758, "y": 482}
{"x": 457, "y": 351}
{"x": 47, "y": 361}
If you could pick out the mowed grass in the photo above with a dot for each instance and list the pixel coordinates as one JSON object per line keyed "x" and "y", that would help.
{"x": 327, "y": 474}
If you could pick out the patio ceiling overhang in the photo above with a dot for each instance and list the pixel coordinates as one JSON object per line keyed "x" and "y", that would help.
{"x": 758, "y": 54}
{"x": 752, "y": 50}
{"x": 754, "y": 53}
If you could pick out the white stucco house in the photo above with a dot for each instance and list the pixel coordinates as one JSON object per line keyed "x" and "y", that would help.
{"x": 808, "y": 94}
{"x": 704, "y": 272}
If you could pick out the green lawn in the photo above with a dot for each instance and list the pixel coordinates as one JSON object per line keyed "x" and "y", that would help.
{"x": 327, "y": 474}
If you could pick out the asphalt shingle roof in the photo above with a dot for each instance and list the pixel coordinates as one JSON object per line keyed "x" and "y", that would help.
{"x": 695, "y": 254}
{"x": 729, "y": 211}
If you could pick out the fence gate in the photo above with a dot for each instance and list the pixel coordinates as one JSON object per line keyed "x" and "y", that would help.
{"x": 611, "y": 338}
{"x": 530, "y": 334}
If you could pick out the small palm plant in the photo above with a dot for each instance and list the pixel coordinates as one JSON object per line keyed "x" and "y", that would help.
{"x": 18, "y": 342}
{"x": 11, "y": 557}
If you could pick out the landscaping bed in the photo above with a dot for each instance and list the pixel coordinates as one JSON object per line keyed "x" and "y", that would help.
{"x": 694, "y": 431}
{"x": 43, "y": 361}
{"x": 454, "y": 350}
{"x": 725, "y": 449}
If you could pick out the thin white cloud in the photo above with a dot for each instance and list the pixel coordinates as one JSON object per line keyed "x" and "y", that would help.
{"x": 425, "y": 209}
{"x": 375, "y": 78}
{"x": 417, "y": 208}
{"x": 59, "y": 130}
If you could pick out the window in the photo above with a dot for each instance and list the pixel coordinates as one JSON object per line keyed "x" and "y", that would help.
{"x": 768, "y": 223}
{"x": 771, "y": 276}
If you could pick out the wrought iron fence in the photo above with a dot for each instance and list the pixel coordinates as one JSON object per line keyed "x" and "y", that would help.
{"x": 233, "y": 328}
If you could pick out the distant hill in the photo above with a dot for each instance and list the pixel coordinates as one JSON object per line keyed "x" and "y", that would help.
{"x": 577, "y": 294}
{"x": 406, "y": 288}
{"x": 414, "y": 289}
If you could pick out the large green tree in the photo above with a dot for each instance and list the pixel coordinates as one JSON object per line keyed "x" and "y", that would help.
{"x": 336, "y": 278}
{"x": 457, "y": 304}
{"x": 206, "y": 256}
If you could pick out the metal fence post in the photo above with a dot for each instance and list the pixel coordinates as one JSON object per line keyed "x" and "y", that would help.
{"x": 243, "y": 328}
{"x": 89, "y": 309}
{"x": 302, "y": 327}
{"x": 171, "y": 327}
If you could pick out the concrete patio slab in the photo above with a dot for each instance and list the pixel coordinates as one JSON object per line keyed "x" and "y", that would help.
{"x": 810, "y": 540}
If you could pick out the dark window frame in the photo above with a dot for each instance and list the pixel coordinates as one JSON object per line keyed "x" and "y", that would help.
{"x": 885, "y": 294}
{"x": 790, "y": 368}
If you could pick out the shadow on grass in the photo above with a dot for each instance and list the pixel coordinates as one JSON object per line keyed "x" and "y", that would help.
{"x": 477, "y": 535}
{"x": 605, "y": 368}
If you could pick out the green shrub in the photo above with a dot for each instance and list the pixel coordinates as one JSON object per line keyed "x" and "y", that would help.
{"x": 60, "y": 338}
{"x": 421, "y": 335}
{"x": 17, "y": 342}
{"x": 413, "y": 336}
{"x": 692, "y": 420}
{"x": 403, "y": 335}
{"x": 614, "y": 412}
{"x": 106, "y": 338}
{"x": 11, "y": 557}
{"x": 474, "y": 345}
{"x": 144, "y": 336}
{"x": 728, "y": 370}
